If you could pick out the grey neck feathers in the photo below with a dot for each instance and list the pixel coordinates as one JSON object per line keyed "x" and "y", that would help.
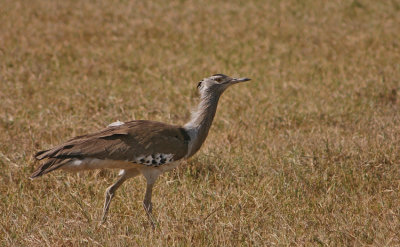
{"x": 201, "y": 121}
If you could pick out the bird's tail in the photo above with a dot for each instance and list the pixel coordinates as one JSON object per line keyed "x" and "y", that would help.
{"x": 49, "y": 165}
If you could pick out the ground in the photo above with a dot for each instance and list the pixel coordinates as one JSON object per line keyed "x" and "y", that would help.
{"x": 305, "y": 154}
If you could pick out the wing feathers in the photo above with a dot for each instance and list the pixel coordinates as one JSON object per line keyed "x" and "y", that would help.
{"x": 125, "y": 142}
{"x": 50, "y": 165}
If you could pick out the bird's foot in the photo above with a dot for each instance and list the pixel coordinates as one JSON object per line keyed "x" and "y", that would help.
{"x": 109, "y": 196}
{"x": 148, "y": 207}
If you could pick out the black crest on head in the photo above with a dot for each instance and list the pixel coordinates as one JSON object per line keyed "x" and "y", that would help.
{"x": 219, "y": 75}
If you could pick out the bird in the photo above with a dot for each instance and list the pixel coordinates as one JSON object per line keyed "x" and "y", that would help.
{"x": 139, "y": 147}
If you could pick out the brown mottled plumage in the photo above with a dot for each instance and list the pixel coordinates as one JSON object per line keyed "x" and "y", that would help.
{"x": 139, "y": 147}
{"x": 124, "y": 142}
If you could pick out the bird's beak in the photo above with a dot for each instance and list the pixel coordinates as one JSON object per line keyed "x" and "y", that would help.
{"x": 237, "y": 80}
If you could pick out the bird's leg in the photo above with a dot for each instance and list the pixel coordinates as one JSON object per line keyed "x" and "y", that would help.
{"x": 109, "y": 195}
{"x": 151, "y": 176}
{"x": 111, "y": 191}
{"x": 148, "y": 206}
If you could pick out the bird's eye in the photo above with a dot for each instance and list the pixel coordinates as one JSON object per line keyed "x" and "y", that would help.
{"x": 218, "y": 79}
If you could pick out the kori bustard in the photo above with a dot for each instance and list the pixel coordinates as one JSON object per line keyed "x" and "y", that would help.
{"x": 140, "y": 146}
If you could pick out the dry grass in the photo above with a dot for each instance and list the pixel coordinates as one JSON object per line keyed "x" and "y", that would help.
{"x": 307, "y": 153}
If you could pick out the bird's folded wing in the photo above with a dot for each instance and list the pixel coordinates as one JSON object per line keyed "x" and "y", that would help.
{"x": 126, "y": 142}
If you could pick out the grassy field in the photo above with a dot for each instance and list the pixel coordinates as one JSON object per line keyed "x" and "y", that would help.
{"x": 306, "y": 154}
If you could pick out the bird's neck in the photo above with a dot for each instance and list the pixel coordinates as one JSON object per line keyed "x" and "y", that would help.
{"x": 201, "y": 121}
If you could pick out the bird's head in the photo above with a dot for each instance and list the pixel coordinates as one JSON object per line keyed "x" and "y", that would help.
{"x": 217, "y": 83}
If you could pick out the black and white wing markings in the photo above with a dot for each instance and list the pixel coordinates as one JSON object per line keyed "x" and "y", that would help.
{"x": 154, "y": 159}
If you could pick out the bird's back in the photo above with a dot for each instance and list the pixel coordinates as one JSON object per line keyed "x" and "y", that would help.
{"x": 142, "y": 142}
